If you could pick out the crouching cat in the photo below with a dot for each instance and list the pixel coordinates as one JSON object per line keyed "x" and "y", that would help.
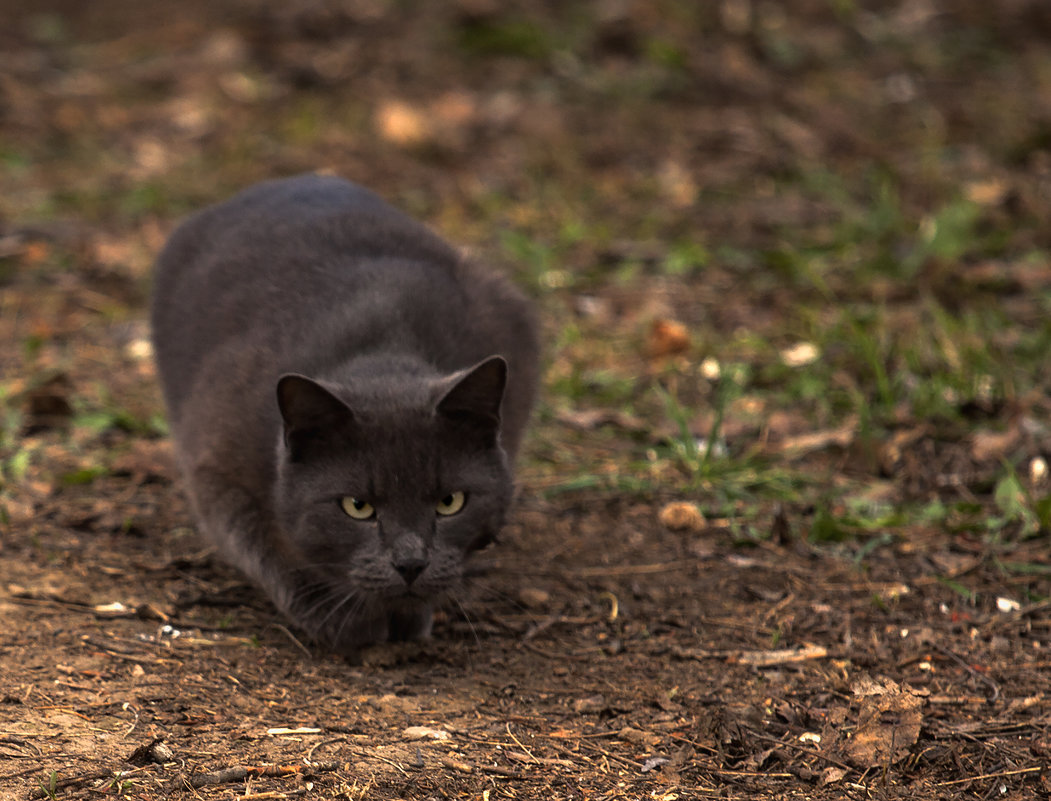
{"x": 346, "y": 397}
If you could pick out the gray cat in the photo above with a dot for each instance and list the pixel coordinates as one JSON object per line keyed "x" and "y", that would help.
{"x": 346, "y": 396}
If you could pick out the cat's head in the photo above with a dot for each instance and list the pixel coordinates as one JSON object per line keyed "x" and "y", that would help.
{"x": 386, "y": 484}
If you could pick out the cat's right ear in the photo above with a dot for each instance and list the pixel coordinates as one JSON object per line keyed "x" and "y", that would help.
{"x": 310, "y": 412}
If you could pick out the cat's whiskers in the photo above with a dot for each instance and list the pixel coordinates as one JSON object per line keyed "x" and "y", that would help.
{"x": 324, "y": 597}
{"x": 466, "y": 616}
{"x": 355, "y": 611}
{"x": 313, "y": 596}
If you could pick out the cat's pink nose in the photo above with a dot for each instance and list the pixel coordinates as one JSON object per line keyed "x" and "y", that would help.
{"x": 410, "y": 568}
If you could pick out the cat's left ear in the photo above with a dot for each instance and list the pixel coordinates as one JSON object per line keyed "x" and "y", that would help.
{"x": 310, "y": 412}
{"x": 474, "y": 394}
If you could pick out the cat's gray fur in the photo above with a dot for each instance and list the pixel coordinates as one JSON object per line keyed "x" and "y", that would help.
{"x": 409, "y": 374}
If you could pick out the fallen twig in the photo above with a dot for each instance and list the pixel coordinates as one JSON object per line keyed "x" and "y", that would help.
{"x": 625, "y": 570}
{"x": 782, "y": 656}
{"x": 73, "y": 781}
{"x": 973, "y": 671}
{"x": 10, "y": 739}
{"x": 1001, "y": 774}
{"x": 240, "y": 772}
{"x": 470, "y": 767}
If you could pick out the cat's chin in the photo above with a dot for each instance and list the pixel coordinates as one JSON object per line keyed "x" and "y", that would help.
{"x": 408, "y": 620}
{"x": 411, "y": 623}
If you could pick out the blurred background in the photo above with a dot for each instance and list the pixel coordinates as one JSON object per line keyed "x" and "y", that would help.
{"x": 842, "y": 203}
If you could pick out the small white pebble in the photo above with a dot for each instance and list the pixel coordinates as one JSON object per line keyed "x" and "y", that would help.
{"x": 1038, "y": 470}
{"x": 424, "y": 733}
{"x": 111, "y": 609}
{"x": 1007, "y": 605}
{"x": 140, "y": 349}
{"x": 800, "y": 354}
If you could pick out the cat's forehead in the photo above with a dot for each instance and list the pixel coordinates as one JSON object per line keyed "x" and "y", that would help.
{"x": 398, "y": 429}
{"x": 394, "y": 457}
{"x": 378, "y": 401}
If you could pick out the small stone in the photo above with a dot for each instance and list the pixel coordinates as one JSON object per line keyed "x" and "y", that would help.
{"x": 113, "y": 609}
{"x": 592, "y": 704}
{"x": 160, "y": 753}
{"x": 800, "y": 354}
{"x": 424, "y": 733}
{"x": 1038, "y": 470}
{"x": 154, "y": 751}
{"x": 1007, "y": 605}
{"x": 638, "y": 737}
{"x": 534, "y": 597}
{"x": 682, "y": 516}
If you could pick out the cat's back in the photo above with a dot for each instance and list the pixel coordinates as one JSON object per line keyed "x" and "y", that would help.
{"x": 277, "y": 232}
{"x": 301, "y": 274}
{"x": 278, "y": 261}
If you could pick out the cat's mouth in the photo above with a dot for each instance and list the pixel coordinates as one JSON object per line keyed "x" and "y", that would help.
{"x": 412, "y": 594}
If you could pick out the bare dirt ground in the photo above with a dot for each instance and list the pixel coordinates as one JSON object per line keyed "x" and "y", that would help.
{"x": 605, "y": 651}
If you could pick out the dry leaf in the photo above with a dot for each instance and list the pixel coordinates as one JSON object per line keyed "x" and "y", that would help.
{"x": 533, "y": 597}
{"x": 424, "y": 733}
{"x": 988, "y": 445}
{"x": 803, "y": 444}
{"x": 588, "y": 419}
{"x": 677, "y": 184}
{"x": 35, "y": 253}
{"x": 987, "y": 193}
{"x": 401, "y": 124}
{"x": 889, "y": 721}
{"x": 666, "y": 338}
{"x": 639, "y": 737}
{"x": 682, "y": 516}
{"x": 590, "y": 705}
{"x": 455, "y": 108}
{"x": 891, "y": 451}
{"x": 831, "y": 775}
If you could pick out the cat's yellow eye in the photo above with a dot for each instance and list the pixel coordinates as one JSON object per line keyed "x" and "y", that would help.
{"x": 451, "y": 503}
{"x": 358, "y": 509}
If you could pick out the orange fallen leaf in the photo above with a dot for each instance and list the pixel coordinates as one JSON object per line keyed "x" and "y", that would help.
{"x": 35, "y": 253}
{"x": 889, "y": 720}
{"x": 401, "y": 124}
{"x": 681, "y": 516}
{"x": 666, "y": 338}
